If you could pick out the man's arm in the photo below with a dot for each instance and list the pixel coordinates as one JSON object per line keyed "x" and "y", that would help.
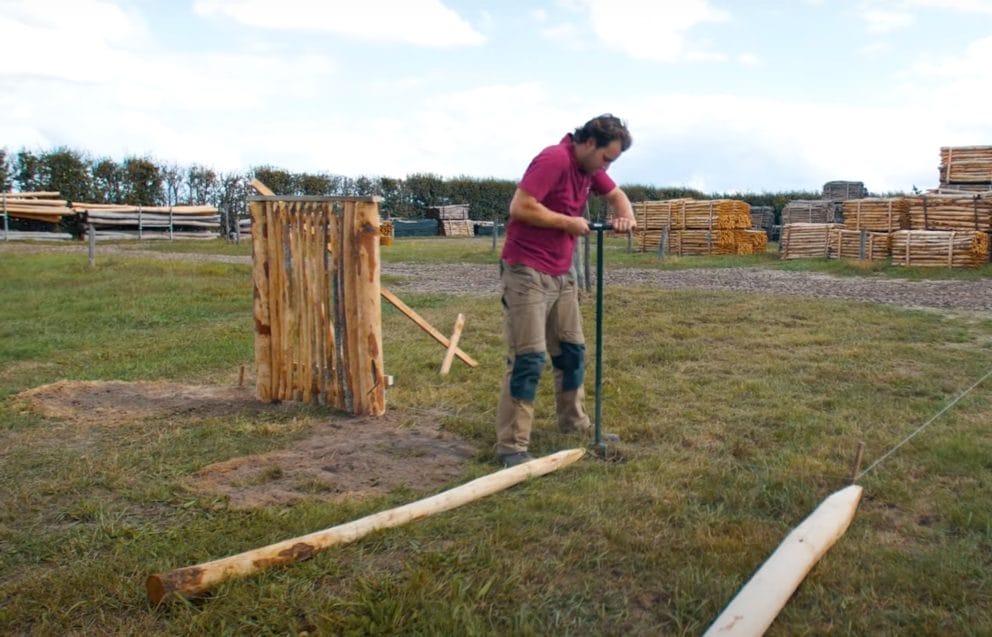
{"x": 623, "y": 212}
{"x": 526, "y": 208}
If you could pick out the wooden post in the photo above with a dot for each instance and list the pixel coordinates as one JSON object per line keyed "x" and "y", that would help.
{"x": 194, "y": 580}
{"x": 367, "y": 370}
{"x": 456, "y": 334}
{"x": 758, "y": 603}
{"x": 260, "y": 301}
{"x": 91, "y": 241}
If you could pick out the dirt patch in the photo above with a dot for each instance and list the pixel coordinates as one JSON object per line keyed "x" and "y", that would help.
{"x": 343, "y": 457}
{"x": 114, "y": 403}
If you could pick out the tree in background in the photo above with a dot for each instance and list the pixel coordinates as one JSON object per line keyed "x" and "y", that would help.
{"x": 142, "y": 182}
{"x": 27, "y": 171}
{"x": 278, "y": 180}
{"x": 67, "y": 172}
{"x": 108, "y": 182}
{"x": 6, "y": 172}
{"x": 202, "y": 185}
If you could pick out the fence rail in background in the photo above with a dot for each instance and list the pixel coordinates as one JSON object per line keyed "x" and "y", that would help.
{"x": 318, "y": 320}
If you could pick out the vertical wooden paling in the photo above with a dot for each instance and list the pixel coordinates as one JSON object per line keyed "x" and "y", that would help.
{"x": 348, "y": 261}
{"x": 260, "y": 302}
{"x": 369, "y": 364}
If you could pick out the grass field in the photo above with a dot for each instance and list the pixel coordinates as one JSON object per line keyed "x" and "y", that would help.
{"x": 739, "y": 414}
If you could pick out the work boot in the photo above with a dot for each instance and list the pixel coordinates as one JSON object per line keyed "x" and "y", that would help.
{"x": 513, "y": 459}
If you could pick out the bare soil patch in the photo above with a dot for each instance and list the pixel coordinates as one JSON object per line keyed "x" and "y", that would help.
{"x": 342, "y": 457}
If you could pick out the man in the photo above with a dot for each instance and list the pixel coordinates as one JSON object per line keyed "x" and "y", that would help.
{"x": 540, "y": 297}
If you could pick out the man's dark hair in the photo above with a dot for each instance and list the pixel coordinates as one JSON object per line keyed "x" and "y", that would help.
{"x": 605, "y": 129}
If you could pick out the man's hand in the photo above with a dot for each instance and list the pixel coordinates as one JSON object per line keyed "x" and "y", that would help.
{"x": 623, "y": 224}
{"x": 576, "y": 226}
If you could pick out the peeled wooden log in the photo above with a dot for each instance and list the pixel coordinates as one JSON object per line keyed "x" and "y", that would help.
{"x": 449, "y": 354}
{"x": 396, "y": 302}
{"x": 194, "y": 580}
{"x": 758, "y": 603}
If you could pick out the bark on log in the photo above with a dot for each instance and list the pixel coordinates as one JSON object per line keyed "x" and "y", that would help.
{"x": 194, "y": 580}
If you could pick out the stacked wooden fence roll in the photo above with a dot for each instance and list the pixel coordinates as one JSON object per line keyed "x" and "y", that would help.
{"x": 120, "y": 221}
{"x": 697, "y": 227}
{"x": 966, "y": 167}
{"x": 808, "y": 211}
{"x": 806, "y": 240}
{"x": 859, "y": 244}
{"x": 950, "y": 212}
{"x": 844, "y": 190}
{"x": 762, "y": 217}
{"x": 940, "y": 248}
{"x": 318, "y": 322}
{"x": 877, "y": 214}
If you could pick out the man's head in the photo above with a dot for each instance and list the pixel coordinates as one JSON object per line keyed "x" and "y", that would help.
{"x": 600, "y": 142}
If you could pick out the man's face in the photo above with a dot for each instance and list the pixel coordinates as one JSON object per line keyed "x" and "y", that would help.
{"x": 591, "y": 158}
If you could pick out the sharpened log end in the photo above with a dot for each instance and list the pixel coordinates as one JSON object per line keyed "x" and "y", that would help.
{"x": 156, "y": 589}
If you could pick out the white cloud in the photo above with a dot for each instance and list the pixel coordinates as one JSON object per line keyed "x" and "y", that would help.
{"x": 749, "y": 59}
{"x": 966, "y": 6}
{"x": 420, "y": 22}
{"x": 654, "y": 31}
{"x": 880, "y": 21}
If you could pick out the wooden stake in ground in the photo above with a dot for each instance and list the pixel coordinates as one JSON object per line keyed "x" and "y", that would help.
{"x": 758, "y": 603}
{"x": 193, "y": 580}
{"x": 424, "y": 325}
{"x": 456, "y": 334}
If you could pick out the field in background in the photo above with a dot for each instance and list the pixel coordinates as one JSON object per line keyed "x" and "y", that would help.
{"x": 739, "y": 414}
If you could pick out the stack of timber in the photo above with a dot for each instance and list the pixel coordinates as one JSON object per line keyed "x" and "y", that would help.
{"x": 762, "y": 217}
{"x": 32, "y": 209}
{"x": 119, "y": 221}
{"x": 244, "y": 228}
{"x": 950, "y": 212}
{"x": 652, "y": 218}
{"x": 940, "y": 248}
{"x": 456, "y": 228}
{"x": 859, "y": 244}
{"x": 806, "y": 240}
{"x": 386, "y": 233}
{"x": 967, "y": 168}
{"x": 809, "y": 211}
{"x": 452, "y": 212}
{"x": 697, "y": 227}
{"x": 878, "y": 214}
{"x": 844, "y": 190}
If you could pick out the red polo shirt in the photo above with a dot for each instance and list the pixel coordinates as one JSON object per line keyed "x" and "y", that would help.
{"x": 554, "y": 179}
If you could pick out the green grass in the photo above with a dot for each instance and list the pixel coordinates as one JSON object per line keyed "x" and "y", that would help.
{"x": 739, "y": 414}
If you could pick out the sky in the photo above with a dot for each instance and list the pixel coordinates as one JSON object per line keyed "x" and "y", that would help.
{"x": 719, "y": 95}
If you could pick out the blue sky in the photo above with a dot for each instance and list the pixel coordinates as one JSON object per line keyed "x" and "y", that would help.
{"x": 721, "y": 96}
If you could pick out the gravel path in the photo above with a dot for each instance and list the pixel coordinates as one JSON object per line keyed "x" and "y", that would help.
{"x": 475, "y": 279}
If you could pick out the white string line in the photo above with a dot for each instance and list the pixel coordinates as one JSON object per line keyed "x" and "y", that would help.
{"x": 925, "y": 425}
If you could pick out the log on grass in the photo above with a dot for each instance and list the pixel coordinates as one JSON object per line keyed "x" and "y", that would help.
{"x": 757, "y": 604}
{"x": 195, "y": 580}
{"x": 449, "y": 354}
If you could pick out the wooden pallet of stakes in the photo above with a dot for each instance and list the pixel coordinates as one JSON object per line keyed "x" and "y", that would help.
{"x": 806, "y": 240}
{"x": 950, "y": 212}
{"x": 940, "y": 248}
{"x": 808, "y": 211}
{"x": 877, "y": 214}
{"x": 966, "y": 165}
{"x": 859, "y": 244}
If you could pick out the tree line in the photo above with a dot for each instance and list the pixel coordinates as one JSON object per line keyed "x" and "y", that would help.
{"x": 144, "y": 181}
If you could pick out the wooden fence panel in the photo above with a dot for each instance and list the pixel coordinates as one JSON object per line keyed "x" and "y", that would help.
{"x": 318, "y": 321}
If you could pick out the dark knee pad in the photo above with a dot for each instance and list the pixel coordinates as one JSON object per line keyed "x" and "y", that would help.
{"x": 525, "y": 374}
{"x": 571, "y": 362}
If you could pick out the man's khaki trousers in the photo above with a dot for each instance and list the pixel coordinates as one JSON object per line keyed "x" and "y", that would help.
{"x": 541, "y": 315}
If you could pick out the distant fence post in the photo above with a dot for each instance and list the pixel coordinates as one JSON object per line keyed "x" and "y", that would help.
{"x": 6, "y": 224}
{"x": 91, "y": 240}
{"x": 318, "y": 321}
